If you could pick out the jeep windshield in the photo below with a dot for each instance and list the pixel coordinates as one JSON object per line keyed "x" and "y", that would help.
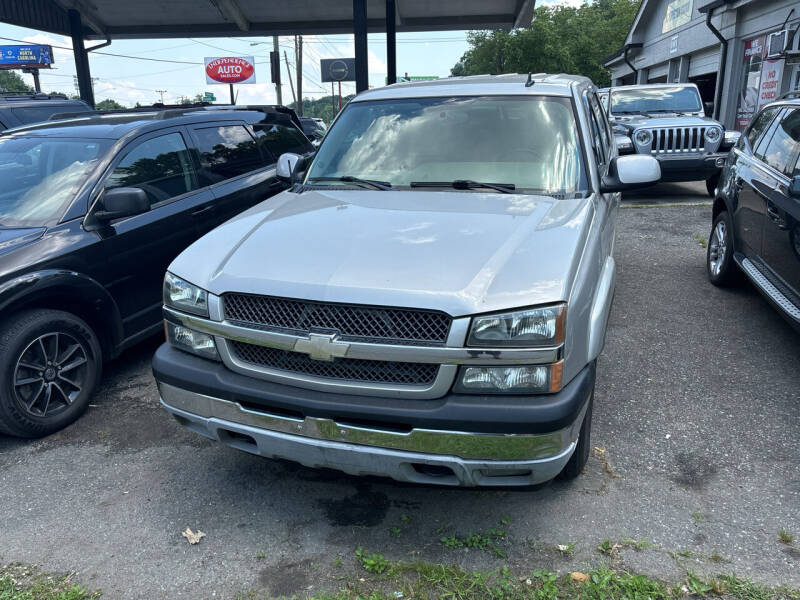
{"x": 529, "y": 144}
{"x": 39, "y": 177}
{"x": 655, "y": 100}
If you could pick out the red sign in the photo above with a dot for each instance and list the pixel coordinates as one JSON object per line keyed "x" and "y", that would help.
{"x": 230, "y": 69}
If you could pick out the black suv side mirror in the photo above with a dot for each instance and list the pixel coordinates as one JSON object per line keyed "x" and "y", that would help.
{"x": 794, "y": 187}
{"x": 122, "y": 202}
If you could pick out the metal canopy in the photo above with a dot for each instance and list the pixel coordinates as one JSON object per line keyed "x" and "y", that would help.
{"x": 126, "y": 19}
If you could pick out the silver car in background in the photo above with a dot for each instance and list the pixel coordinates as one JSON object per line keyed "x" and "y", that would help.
{"x": 429, "y": 299}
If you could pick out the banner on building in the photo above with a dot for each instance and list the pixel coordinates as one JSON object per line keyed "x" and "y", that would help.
{"x": 770, "y": 88}
{"x": 752, "y": 59}
{"x": 679, "y": 12}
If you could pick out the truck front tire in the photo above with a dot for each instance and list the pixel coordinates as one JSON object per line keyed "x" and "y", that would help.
{"x": 577, "y": 461}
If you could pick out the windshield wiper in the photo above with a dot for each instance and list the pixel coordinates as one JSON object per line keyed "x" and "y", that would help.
{"x": 377, "y": 185}
{"x": 467, "y": 184}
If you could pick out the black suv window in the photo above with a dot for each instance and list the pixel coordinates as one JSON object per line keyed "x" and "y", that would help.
{"x": 160, "y": 166}
{"x": 782, "y": 146}
{"x": 35, "y": 114}
{"x": 277, "y": 139}
{"x": 227, "y": 151}
{"x": 760, "y": 125}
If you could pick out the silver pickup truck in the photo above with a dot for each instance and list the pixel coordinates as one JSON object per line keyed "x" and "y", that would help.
{"x": 427, "y": 302}
{"x": 668, "y": 121}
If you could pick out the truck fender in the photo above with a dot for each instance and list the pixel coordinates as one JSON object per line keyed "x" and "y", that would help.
{"x": 601, "y": 307}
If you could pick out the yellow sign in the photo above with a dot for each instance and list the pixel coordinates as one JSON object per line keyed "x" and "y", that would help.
{"x": 679, "y": 12}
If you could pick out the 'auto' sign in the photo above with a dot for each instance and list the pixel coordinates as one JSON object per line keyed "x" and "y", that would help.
{"x": 231, "y": 69}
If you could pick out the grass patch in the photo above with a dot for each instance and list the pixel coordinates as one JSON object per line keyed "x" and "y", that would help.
{"x": 784, "y": 537}
{"x": 21, "y": 582}
{"x": 700, "y": 239}
{"x": 426, "y": 581}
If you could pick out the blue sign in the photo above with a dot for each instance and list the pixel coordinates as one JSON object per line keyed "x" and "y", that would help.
{"x": 33, "y": 57}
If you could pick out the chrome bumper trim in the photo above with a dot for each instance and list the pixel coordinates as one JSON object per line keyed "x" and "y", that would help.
{"x": 200, "y": 408}
{"x": 442, "y": 355}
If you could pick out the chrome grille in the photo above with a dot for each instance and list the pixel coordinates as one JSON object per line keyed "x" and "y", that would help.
{"x": 674, "y": 140}
{"x": 351, "y": 321}
{"x": 346, "y": 369}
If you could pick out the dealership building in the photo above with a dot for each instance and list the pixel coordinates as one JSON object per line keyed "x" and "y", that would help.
{"x": 742, "y": 54}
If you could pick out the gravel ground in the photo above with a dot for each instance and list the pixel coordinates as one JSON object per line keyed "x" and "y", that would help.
{"x": 696, "y": 421}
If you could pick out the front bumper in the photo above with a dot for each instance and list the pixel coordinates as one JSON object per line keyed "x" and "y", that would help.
{"x": 698, "y": 167}
{"x": 455, "y": 440}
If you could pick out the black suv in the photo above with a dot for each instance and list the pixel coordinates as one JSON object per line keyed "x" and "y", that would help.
{"x": 756, "y": 228}
{"x": 92, "y": 210}
{"x": 22, "y": 109}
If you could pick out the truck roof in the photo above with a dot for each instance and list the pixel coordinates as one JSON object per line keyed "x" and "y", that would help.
{"x": 511, "y": 84}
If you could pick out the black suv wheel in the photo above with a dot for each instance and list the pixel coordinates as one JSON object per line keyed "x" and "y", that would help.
{"x": 50, "y": 364}
{"x": 722, "y": 269}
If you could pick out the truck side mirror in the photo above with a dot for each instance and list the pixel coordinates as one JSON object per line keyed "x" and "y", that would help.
{"x": 630, "y": 173}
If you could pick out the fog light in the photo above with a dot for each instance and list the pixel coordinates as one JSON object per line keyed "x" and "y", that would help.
{"x": 527, "y": 379}
{"x": 192, "y": 341}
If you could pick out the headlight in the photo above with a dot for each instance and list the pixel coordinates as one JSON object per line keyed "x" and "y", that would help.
{"x": 192, "y": 341}
{"x": 624, "y": 143}
{"x": 184, "y": 296}
{"x": 644, "y": 137}
{"x": 523, "y": 329}
{"x": 527, "y": 379}
{"x": 713, "y": 134}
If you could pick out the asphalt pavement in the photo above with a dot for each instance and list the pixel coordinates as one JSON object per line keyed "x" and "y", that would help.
{"x": 695, "y": 431}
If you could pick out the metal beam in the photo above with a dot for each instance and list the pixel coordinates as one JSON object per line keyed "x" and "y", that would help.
{"x": 524, "y": 14}
{"x": 391, "y": 42}
{"x": 234, "y": 12}
{"x": 81, "y": 57}
{"x": 360, "y": 43}
{"x": 88, "y": 14}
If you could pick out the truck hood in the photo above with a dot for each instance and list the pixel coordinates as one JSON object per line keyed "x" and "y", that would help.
{"x": 459, "y": 252}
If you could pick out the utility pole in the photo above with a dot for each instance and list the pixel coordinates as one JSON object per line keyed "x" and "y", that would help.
{"x": 162, "y": 92}
{"x": 298, "y": 49}
{"x": 289, "y": 72}
{"x": 276, "y": 49}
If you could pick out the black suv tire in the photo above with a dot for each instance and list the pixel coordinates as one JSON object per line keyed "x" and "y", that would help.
{"x": 722, "y": 269}
{"x": 50, "y": 365}
{"x": 578, "y": 460}
{"x": 711, "y": 185}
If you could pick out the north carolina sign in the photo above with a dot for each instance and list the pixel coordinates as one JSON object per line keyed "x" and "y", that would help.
{"x": 231, "y": 69}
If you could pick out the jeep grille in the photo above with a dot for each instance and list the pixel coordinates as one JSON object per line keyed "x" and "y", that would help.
{"x": 347, "y": 369}
{"x": 352, "y": 322}
{"x": 674, "y": 140}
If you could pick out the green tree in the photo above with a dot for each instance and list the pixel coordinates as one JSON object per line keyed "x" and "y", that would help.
{"x": 197, "y": 98}
{"x": 109, "y": 104}
{"x": 560, "y": 39}
{"x": 325, "y": 108}
{"x": 13, "y": 82}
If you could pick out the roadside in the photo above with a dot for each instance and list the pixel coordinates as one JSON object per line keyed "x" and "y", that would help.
{"x": 695, "y": 469}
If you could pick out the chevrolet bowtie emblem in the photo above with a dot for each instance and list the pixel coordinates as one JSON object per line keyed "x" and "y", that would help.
{"x": 322, "y": 347}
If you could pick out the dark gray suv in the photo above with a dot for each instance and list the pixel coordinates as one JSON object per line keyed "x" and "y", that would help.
{"x": 17, "y": 109}
{"x": 756, "y": 227}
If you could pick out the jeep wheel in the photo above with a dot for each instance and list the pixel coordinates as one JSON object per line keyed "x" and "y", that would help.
{"x": 711, "y": 185}
{"x": 50, "y": 364}
{"x": 722, "y": 269}
{"x": 578, "y": 459}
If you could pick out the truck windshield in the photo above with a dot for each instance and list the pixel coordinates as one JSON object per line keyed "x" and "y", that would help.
{"x": 655, "y": 99}
{"x": 40, "y": 176}
{"x": 529, "y": 143}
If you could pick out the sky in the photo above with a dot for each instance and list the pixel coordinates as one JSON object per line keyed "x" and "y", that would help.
{"x": 175, "y": 65}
